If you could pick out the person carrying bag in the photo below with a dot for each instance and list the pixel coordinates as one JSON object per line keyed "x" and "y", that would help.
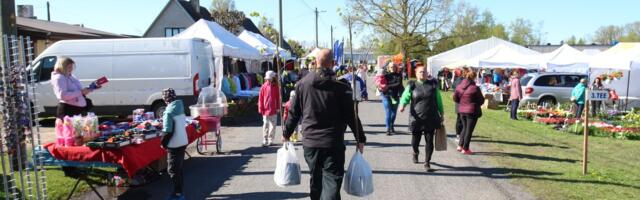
{"x": 287, "y": 171}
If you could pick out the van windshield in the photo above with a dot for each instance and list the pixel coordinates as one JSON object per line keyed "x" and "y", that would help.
{"x": 42, "y": 68}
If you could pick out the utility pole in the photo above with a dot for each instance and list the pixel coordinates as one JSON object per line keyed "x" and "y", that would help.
{"x": 331, "y": 43}
{"x": 317, "y": 12}
{"x": 48, "y": 12}
{"x": 278, "y": 68}
{"x": 8, "y": 21}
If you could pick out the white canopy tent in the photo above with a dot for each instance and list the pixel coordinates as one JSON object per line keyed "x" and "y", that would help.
{"x": 621, "y": 57}
{"x": 263, "y": 45}
{"x": 500, "y": 56}
{"x": 471, "y": 50}
{"x": 223, "y": 43}
{"x": 565, "y": 59}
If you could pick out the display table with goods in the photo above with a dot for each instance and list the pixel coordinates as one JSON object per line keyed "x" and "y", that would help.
{"x": 493, "y": 95}
{"x": 131, "y": 145}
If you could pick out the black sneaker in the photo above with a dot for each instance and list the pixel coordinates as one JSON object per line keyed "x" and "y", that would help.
{"x": 389, "y": 133}
{"x": 427, "y": 167}
{"x": 415, "y": 158}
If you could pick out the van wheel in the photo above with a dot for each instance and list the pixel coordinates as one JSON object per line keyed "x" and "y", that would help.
{"x": 158, "y": 109}
{"x": 547, "y": 101}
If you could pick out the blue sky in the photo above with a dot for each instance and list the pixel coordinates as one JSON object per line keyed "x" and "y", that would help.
{"x": 560, "y": 18}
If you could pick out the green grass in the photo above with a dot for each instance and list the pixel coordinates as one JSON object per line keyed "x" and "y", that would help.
{"x": 548, "y": 163}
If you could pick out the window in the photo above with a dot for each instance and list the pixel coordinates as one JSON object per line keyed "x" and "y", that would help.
{"x": 42, "y": 69}
{"x": 525, "y": 80}
{"x": 571, "y": 80}
{"x": 548, "y": 81}
{"x": 170, "y": 32}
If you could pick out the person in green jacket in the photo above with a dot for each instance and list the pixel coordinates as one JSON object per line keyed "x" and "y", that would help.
{"x": 426, "y": 112}
{"x": 578, "y": 95}
{"x": 174, "y": 139}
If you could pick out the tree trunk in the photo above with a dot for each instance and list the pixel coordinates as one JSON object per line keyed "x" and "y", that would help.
{"x": 405, "y": 57}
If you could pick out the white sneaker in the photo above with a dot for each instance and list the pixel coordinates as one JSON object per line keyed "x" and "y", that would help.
{"x": 269, "y": 142}
{"x": 264, "y": 143}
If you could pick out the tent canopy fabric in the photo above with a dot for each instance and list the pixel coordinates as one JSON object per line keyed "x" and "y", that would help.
{"x": 618, "y": 57}
{"x": 223, "y": 42}
{"x": 501, "y": 56}
{"x": 435, "y": 63}
{"x": 565, "y": 59}
{"x": 266, "y": 47}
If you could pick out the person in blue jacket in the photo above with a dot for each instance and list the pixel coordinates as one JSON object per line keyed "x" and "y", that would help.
{"x": 174, "y": 139}
{"x": 577, "y": 96}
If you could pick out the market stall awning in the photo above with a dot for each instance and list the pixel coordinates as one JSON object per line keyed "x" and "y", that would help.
{"x": 500, "y": 56}
{"x": 618, "y": 57}
{"x": 565, "y": 59}
{"x": 468, "y": 51}
{"x": 222, "y": 41}
{"x": 266, "y": 47}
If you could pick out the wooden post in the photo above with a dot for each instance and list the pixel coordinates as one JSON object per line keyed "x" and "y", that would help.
{"x": 586, "y": 132}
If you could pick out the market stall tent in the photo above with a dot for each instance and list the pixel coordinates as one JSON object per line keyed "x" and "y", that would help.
{"x": 462, "y": 53}
{"x": 266, "y": 48}
{"x": 565, "y": 59}
{"x": 223, "y": 42}
{"x": 501, "y": 56}
{"x": 623, "y": 57}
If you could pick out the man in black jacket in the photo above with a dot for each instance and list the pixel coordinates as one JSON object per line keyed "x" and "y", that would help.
{"x": 325, "y": 106}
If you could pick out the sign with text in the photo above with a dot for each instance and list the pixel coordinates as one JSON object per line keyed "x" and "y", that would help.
{"x": 599, "y": 95}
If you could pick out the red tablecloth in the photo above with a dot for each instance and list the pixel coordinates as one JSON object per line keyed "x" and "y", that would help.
{"x": 132, "y": 158}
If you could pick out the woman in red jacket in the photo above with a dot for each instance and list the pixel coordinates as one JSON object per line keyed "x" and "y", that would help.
{"x": 268, "y": 107}
{"x": 469, "y": 99}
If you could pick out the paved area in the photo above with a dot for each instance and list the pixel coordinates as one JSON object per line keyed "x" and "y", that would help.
{"x": 245, "y": 170}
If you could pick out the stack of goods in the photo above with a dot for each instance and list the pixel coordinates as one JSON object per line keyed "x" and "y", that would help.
{"x": 143, "y": 127}
{"x": 76, "y": 130}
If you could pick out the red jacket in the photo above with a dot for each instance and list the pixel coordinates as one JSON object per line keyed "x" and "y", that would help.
{"x": 469, "y": 97}
{"x": 269, "y": 99}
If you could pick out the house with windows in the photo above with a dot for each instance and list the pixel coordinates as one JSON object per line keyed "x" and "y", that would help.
{"x": 178, "y": 15}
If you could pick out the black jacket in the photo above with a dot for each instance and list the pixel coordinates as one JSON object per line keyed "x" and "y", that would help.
{"x": 424, "y": 114}
{"x": 325, "y": 107}
{"x": 394, "y": 85}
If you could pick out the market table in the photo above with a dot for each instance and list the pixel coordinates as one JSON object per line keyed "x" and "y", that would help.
{"x": 132, "y": 157}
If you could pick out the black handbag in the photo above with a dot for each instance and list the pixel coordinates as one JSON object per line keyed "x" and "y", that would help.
{"x": 89, "y": 105}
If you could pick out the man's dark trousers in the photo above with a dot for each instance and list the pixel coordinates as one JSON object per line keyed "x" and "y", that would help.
{"x": 326, "y": 166}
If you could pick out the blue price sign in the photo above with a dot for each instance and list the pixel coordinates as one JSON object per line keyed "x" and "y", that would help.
{"x": 599, "y": 95}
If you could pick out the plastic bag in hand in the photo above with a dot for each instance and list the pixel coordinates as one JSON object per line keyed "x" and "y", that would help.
{"x": 287, "y": 171}
{"x": 358, "y": 178}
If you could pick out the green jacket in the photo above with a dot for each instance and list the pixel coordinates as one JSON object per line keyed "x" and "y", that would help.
{"x": 578, "y": 93}
{"x": 175, "y": 108}
{"x": 405, "y": 99}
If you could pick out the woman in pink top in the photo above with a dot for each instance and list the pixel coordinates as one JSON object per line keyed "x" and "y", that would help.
{"x": 268, "y": 107}
{"x": 68, "y": 90}
{"x": 516, "y": 94}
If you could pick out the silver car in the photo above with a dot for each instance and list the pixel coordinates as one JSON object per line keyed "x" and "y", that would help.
{"x": 547, "y": 88}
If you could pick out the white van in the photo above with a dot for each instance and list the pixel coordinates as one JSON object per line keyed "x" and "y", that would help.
{"x": 137, "y": 69}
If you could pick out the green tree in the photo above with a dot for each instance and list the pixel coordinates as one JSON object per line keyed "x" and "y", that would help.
{"x": 223, "y": 12}
{"x": 500, "y": 31}
{"x": 404, "y": 20}
{"x": 581, "y": 42}
{"x": 522, "y": 32}
{"x": 571, "y": 40}
{"x": 296, "y": 47}
{"x": 607, "y": 34}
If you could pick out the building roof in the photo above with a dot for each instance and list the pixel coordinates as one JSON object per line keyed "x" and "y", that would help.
{"x": 59, "y": 30}
{"x": 203, "y": 13}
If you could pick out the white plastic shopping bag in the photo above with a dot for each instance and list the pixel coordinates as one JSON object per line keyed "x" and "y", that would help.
{"x": 287, "y": 171}
{"x": 358, "y": 178}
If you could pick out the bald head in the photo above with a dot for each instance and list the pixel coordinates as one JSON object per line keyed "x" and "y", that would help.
{"x": 324, "y": 59}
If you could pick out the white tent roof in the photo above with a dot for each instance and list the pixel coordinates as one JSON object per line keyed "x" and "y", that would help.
{"x": 266, "y": 47}
{"x": 501, "y": 56}
{"x": 471, "y": 50}
{"x": 565, "y": 59}
{"x": 223, "y": 42}
{"x": 618, "y": 57}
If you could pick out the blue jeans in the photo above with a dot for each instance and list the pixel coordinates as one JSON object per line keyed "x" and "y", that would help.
{"x": 390, "y": 111}
{"x": 579, "y": 109}
{"x": 514, "y": 108}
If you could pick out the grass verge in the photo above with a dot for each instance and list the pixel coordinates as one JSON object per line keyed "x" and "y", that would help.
{"x": 549, "y": 162}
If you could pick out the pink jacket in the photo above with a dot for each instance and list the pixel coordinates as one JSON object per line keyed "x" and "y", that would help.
{"x": 68, "y": 89}
{"x": 269, "y": 99}
{"x": 516, "y": 90}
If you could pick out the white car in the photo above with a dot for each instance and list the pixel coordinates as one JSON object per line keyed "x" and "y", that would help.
{"x": 548, "y": 87}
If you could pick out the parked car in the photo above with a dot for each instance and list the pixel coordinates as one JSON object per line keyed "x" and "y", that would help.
{"x": 137, "y": 70}
{"x": 548, "y": 88}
